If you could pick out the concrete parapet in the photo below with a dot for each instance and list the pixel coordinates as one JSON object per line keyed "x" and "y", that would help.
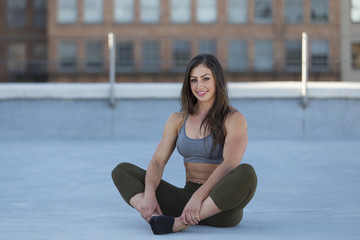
{"x": 321, "y": 90}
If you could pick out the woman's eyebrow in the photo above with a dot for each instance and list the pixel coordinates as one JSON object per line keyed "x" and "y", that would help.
{"x": 200, "y": 76}
{"x": 205, "y": 75}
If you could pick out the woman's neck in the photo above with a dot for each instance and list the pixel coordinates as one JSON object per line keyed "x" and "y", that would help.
{"x": 202, "y": 108}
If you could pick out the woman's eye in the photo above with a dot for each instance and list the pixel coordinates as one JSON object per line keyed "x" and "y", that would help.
{"x": 193, "y": 80}
{"x": 206, "y": 79}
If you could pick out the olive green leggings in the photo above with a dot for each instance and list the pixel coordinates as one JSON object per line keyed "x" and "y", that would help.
{"x": 230, "y": 195}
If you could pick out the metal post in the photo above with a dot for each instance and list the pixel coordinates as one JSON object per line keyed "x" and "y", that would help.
{"x": 111, "y": 42}
{"x": 304, "y": 68}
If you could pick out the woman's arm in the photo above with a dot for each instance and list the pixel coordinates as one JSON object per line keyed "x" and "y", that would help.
{"x": 149, "y": 205}
{"x": 234, "y": 148}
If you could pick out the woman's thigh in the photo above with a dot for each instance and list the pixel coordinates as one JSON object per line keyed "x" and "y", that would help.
{"x": 236, "y": 189}
{"x": 231, "y": 195}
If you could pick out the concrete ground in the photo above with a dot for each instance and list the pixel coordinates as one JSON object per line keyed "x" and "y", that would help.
{"x": 56, "y": 158}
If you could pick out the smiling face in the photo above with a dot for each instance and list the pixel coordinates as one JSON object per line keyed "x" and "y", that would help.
{"x": 202, "y": 83}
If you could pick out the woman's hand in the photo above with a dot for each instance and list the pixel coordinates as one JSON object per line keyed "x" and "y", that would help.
{"x": 149, "y": 206}
{"x": 191, "y": 212}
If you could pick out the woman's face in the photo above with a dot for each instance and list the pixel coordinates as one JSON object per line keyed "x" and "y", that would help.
{"x": 202, "y": 83}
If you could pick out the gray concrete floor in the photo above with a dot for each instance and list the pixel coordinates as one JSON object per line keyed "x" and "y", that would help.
{"x": 56, "y": 158}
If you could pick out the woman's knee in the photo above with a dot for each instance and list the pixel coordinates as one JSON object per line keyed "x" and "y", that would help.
{"x": 120, "y": 170}
{"x": 247, "y": 171}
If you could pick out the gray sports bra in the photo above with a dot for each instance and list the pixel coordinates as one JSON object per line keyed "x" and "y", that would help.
{"x": 198, "y": 150}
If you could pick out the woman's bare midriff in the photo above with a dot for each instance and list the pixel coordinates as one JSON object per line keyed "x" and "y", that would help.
{"x": 199, "y": 172}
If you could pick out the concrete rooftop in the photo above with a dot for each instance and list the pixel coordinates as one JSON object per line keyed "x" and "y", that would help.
{"x": 56, "y": 157}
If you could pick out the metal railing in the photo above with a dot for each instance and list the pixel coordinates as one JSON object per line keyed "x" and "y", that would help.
{"x": 112, "y": 61}
{"x": 304, "y": 68}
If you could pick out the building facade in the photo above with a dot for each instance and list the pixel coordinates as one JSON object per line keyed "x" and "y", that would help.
{"x": 350, "y": 41}
{"x": 23, "y": 41}
{"x": 255, "y": 40}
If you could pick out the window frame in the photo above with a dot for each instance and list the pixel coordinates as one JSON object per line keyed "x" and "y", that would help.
{"x": 175, "y": 7}
{"x": 94, "y": 56}
{"x": 128, "y": 6}
{"x": 180, "y": 64}
{"x": 98, "y": 7}
{"x": 200, "y": 4}
{"x": 295, "y": 53}
{"x": 125, "y": 62}
{"x": 40, "y": 13}
{"x": 355, "y": 59}
{"x": 73, "y": 9}
{"x": 233, "y": 15}
{"x": 154, "y": 9}
{"x": 259, "y": 60}
{"x": 150, "y": 56}
{"x": 207, "y": 47}
{"x": 67, "y": 64}
{"x": 237, "y": 56}
{"x": 326, "y": 52}
{"x": 17, "y": 57}
{"x": 263, "y": 20}
{"x": 312, "y": 7}
{"x": 352, "y": 10}
{"x": 16, "y": 14}
{"x": 289, "y": 5}
{"x": 39, "y": 60}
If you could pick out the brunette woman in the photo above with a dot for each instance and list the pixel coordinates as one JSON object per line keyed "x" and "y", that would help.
{"x": 212, "y": 137}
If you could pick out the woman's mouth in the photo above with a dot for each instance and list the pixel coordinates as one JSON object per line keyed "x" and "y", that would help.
{"x": 202, "y": 93}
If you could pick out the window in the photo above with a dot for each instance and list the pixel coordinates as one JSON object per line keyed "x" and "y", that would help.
{"x": 206, "y": 11}
{"x": 124, "y": 11}
{"x": 150, "y": 56}
{"x": 180, "y": 11}
{"x": 263, "y": 57}
{"x": 16, "y": 13}
{"x": 67, "y": 11}
{"x": 94, "y": 56}
{"x": 263, "y": 11}
{"x": 40, "y": 15}
{"x": 237, "y": 11}
{"x": 207, "y": 46}
{"x": 355, "y": 53}
{"x": 181, "y": 55}
{"x": 16, "y": 57}
{"x": 150, "y": 11}
{"x": 93, "y": 11}
{"x": 125, "y": 56}
{"x": 293, "y": 56}
{"x": 67, "y": 52}
{"x": 355, "y": 11}
{"x": 293, "y": 11}
{"x": 39, "y": 62}
{"x": 319, "y": 56}
{"x": 237, "y": 56}
{"x": 319, "y": 11}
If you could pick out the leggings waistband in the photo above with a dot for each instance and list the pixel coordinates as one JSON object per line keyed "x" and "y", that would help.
{"x": 191, "y": 187}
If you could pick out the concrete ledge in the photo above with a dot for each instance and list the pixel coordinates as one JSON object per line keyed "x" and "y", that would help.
{"x": 13, "y": 91}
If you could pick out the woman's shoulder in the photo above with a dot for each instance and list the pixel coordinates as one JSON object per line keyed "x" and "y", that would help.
{"x": 176, "y": 120}
{"x": 235, "y": 119}
{"x": 177, "y": 117}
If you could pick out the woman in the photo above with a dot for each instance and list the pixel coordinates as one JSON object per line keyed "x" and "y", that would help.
{"x": 212, "y": 138}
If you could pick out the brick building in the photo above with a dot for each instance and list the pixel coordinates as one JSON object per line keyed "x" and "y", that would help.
{"x": 23, "y": 42}
{"x": 350, "y": 41}
{"x": 257, "y": 40}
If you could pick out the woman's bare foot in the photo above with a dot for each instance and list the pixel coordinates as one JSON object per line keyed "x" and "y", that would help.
{"x": 179, "y": 226}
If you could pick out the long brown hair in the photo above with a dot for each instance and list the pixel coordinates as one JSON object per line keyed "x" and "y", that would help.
{"x": 214, "y": 120}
